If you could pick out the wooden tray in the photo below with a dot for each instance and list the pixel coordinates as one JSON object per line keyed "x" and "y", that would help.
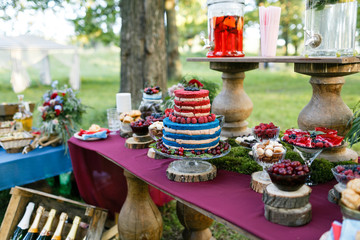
{"x": 92, "y": 218}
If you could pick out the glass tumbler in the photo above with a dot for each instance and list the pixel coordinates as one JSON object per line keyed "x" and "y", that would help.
{"x": 113, "y": 120}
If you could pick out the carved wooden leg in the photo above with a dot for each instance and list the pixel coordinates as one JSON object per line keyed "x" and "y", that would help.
{"x": 326, "y": 107}
{"x": 232, "y": 101}
{"x": 196, "y": 224}
{"x": 139, "y": 217}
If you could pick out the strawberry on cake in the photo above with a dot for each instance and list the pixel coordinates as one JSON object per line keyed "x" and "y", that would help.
{"x": 190, "y": 126}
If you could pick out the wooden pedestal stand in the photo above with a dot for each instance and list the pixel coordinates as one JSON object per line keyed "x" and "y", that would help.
{"x": 257, "y": 184}
{"x": 196, "y": 224}
{"x": 138, "y": 142}
{"x": 287, "y": 208}
{"x": 139, "y": 217}
{"x": 232, "y": 101}
{"x": 326, "y": 107}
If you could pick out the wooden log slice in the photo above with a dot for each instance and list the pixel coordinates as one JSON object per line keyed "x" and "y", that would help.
{"x": 139, "y": 138}
{"x": 289, "y": 217}
{"x": 257, "y": 184}
{"x": 176, "y": 176}
{"x": 334, "y": 194}
{"x": 132, "y": 144}
{"x": 277, "y": 198}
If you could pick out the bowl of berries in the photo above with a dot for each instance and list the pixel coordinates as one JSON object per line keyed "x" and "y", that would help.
{"x": 288, "y": 176}
{"x": 266, "y": 131}
{"x": 156, "y": 117}
{"x": 344, "y": 173}
{"x": 140, "y": 127}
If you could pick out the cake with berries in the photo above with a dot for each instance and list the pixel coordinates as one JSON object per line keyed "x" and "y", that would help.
{"x": 152, "y": 93}
{"x": 190, "y": 125}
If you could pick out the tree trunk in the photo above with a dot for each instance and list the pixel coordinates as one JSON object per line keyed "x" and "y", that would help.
{"x": 173, "y": 58}
{"x": 143, "y": 52}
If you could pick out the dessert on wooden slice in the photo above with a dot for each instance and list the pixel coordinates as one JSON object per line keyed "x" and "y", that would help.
{"x": 286, "y": 199}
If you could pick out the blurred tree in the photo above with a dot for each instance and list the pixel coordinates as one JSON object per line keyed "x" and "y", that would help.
{"x": 143, "y": 52}
{"x": 172, "y": 36}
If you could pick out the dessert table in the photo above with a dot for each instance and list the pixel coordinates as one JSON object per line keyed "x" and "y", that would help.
{"x": 227, "y": 199}
{"x": 41, "y": 163}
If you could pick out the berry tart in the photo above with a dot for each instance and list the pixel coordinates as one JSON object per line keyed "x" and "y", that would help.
{"x": 320, "y": 138}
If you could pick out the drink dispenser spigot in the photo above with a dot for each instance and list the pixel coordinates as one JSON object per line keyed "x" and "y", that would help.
{"x": 330, "y": 27}
{"x": 225, "y": 28}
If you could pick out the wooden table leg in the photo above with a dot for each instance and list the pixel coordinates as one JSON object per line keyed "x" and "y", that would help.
{"x": 196, "y": 224}
{"x": 232, "y": 101}
{"x": 139, "y": 217}
{"x": 326, "y": 107}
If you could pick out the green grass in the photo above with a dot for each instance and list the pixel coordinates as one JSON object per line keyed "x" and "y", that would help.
{"x": 278, "y": 95}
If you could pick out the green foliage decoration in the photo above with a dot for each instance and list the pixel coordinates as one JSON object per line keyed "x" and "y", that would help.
{"x": 353, "y": 136}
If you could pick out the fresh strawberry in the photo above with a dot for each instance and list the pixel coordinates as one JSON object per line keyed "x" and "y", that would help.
{"x": 193, "y": 120}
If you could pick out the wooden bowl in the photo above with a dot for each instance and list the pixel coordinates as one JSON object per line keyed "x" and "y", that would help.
{"x": 348, "y": 212}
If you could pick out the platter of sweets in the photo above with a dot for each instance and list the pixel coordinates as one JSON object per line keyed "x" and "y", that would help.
{"x": 318, "y": 139}
{"x": 246, "y": 141}
{"x": 221, "y": 150}
{"x": 95, "y": 132}
{"x": 5, "y": 127}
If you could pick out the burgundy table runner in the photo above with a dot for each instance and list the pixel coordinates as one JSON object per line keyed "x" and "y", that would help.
{"x": 228, "y": 196}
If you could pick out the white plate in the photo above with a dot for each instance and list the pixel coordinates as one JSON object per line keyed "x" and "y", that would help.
{"x": 76, "y": 135}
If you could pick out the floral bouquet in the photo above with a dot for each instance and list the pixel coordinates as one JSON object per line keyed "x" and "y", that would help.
{"x": 61, "y": 112}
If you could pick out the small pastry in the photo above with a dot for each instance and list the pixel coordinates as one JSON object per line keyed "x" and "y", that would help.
{"x": 354, "y": 185}
{"x": 268, "y": 153}
{"x": 351, "y": 199}
{"x": 128, "y": 119}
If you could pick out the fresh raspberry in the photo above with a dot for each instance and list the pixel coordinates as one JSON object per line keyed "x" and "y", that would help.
{"x": 193, "y": 120}
{"x": 210, "y": 119}
{"x": 178, "y": 119}
{"x": 213, "y": 116}
{"x": 205, "y": 119}
{"x": 201, "y": 119}
{"x": 319, "y": 144}
{"x": 183, "y": 121}
{"x": 173, "y": 119}
{"x": 188, "y": 120}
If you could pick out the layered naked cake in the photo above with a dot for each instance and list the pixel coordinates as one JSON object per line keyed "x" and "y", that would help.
{"x": 191, "y": 126}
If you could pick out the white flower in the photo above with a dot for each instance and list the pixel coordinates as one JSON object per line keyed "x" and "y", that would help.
{"x": 52, "y": 102}
{"x": 55, "y": 121}
{"x": 54, "y": 84}
{"x": 41, "y": 109}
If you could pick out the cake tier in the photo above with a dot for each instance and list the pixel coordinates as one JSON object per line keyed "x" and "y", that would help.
{"x": 197, "y": 110}
{"x": 156, "y": 96}
{"x": 182, "y": 93}
{"x": 192, "y": 101}
{"x": 191, "y": 136}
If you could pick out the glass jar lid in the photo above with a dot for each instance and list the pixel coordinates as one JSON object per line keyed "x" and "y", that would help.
{"x": 210, "y": 2}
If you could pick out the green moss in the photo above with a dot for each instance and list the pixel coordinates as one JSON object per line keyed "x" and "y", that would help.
{"x": 238, "y": 160}
{"x": 232, "y": 142}
{"x": 293, "y": 156}
{"x": 321, "y": 171}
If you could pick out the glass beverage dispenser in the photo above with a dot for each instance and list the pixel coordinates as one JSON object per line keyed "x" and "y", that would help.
{"x": 330, "y": 27}
{"x": 225, "y": 28}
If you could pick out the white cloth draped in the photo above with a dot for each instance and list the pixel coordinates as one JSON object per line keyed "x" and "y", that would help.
{"x": 18, "y": 53}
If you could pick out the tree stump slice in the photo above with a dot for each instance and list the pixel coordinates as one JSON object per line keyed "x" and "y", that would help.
{"x": 289, "y": 217}
{"x": 144, "y": 138}
{"x": 277, "y": 198}
{"x": 153, "y": 154}
{"x": 176, "y": 176}
{"x": 132, "y": 144}
{"x": 334, "y": 194}
{"x": 257, "y": 184}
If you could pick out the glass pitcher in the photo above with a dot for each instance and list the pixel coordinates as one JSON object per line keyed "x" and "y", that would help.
{"x": 225, "y": 28}
{"x": 330, "y": 27}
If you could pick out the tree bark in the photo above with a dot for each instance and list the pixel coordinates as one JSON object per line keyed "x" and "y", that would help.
{"x": 143, "y": 51}
{"x": 173, "y": 58}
